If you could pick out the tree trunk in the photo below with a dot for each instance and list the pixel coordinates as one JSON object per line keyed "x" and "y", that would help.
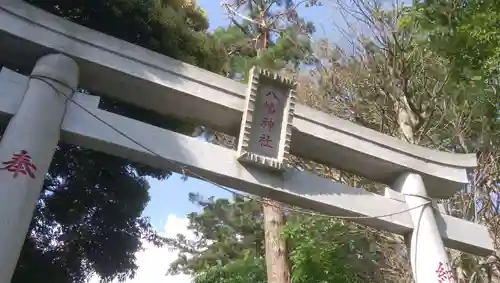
{"x": 277, "y": 267}
{"x": 278, "y": 270}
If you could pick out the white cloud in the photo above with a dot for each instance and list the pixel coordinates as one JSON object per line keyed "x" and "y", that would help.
{"x": 153, "y": 262}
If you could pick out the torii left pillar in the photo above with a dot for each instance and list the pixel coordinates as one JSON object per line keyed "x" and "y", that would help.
{"x": 26, "y": 150}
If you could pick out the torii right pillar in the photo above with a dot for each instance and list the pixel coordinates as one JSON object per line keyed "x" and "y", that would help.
{"x": 428, "y": 257}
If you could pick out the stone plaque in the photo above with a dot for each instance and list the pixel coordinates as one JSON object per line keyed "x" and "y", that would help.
{"x": 266, "y": 126}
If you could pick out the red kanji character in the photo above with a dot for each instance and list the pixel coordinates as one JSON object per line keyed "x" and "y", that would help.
{"x": 20, "y": 163}
{"x": 450, "y": 274}
{"x": 444, "y": 273}
{"x": 267, "y": 123}
{"x": 273, "y": 94}
{"x": 270, "y": 107}
{"x": 265, "y": 140}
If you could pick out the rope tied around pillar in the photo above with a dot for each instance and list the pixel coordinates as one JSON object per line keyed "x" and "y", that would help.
{"x": 45, "y": 79}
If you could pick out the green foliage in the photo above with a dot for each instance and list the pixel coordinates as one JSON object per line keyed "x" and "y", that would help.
{"x": 286, "y": 38}
{"x": 289, "y": 48}
{"x": 324, "y": 250}
{"x": 229, "y": 248}
{"x": 466, "y": 35}
{"x": 439, "y": 58}
{"x": 88, "y": 218}
{"x": 242, "y": 53}
{"x": 154, "y": 24}
{"x": 466, "y": 32}
{"x": 239, "y": 271}
{"x": 227, "y": 231}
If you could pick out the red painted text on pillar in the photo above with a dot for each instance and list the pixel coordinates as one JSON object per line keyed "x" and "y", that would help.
{"x": 444, "y": 273}
{"x": 20, "y": 163}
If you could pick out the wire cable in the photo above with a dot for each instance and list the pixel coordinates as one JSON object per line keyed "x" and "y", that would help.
{"x": 186, "y": 171}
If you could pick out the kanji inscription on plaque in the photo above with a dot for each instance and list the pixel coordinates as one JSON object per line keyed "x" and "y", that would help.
{"x": 20, "y": 163}
{"x": 267, "y": 120}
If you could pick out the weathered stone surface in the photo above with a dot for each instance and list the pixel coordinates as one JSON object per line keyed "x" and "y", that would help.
{"x": 136, "y": 75}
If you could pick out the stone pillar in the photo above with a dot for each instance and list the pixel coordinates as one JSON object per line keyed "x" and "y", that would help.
{"x": 26, "y": 150}
{"x": 428, "y": 257}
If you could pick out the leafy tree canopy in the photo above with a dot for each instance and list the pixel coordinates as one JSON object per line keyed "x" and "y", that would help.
{"x": 268, "y": 34}
{"x": 230, "y": 246}
{"x": 466, "y": 32}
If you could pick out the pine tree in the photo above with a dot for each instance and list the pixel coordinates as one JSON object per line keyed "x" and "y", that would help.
{"x": 230, "y": 246}
{"x": 252, "y": 44}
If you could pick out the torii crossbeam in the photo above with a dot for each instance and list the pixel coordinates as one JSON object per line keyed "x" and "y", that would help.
{"x": 118, "y": 69}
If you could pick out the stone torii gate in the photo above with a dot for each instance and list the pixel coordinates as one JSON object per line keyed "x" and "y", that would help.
{"x": 264, "y": 114}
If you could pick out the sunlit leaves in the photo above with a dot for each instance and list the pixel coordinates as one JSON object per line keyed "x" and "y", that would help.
{"x": 230, "y": 238}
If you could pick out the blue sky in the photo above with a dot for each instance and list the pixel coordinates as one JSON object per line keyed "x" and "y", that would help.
{"x": 170, "y": 197}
